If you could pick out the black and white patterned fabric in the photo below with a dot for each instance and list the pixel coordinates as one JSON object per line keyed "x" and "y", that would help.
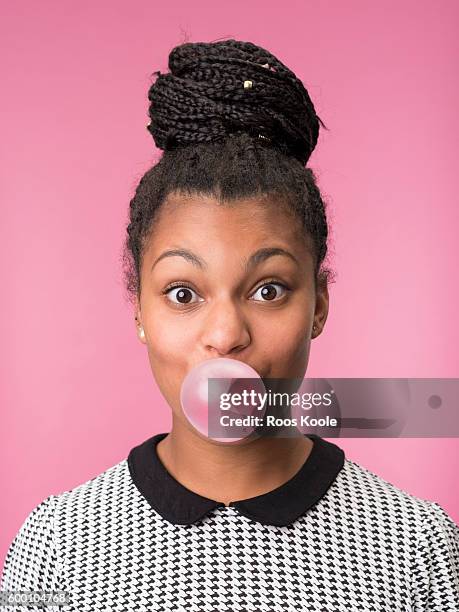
{"x": 335, "y": 538}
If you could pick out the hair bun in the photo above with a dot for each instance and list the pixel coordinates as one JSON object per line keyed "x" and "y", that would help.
{"x": 219, "y": 88}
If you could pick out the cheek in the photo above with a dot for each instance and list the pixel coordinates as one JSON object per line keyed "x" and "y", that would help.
{"x": 286, "y": 343}
{"x": 289, "y": 353}
{"x": 168, "y": 336}
{"x": 169, "y": 352}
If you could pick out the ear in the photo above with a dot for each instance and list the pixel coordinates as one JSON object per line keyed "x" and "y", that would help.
{"x": 321, "y": 309}
{"x": 138, "y": 322}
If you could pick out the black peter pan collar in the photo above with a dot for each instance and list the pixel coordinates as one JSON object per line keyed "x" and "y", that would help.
{"x": 281, "y": 506}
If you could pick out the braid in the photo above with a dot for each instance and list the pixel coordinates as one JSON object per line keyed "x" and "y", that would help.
{"x": 221, "y": 139}
{"x": 202, "y": 98}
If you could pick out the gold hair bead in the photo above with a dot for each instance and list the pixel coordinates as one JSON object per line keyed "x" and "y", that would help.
{"x": 248, "y": 84}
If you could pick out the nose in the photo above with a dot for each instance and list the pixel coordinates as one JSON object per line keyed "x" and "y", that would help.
{"x": 225, "y": 329}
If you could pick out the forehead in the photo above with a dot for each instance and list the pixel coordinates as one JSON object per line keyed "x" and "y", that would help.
{"x": 244, "y": 221}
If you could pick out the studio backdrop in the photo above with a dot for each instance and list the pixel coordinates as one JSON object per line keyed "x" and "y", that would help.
{"x": 76, "y": 387}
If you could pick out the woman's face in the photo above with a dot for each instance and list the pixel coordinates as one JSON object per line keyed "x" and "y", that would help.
{"x": 231, "y": 281}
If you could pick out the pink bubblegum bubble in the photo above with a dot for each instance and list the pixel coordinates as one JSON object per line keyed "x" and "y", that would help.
{"x": 194, "y": 395}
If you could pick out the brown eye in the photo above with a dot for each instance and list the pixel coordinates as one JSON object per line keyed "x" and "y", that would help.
{"x": 183, "y": 295}
{"x": 270, "y": 292}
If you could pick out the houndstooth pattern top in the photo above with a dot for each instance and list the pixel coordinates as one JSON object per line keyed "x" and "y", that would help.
{"x": 334, "y": 538}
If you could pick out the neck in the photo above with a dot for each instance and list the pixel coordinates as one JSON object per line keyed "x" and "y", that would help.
{"x": 231, "y": 472}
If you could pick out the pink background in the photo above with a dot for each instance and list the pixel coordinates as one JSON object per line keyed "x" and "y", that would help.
{"x": 77, "y": 391}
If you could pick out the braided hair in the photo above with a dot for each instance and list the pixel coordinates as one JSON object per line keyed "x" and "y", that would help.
{"x": 233, "y": 122}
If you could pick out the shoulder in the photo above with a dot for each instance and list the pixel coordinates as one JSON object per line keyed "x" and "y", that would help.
{"x": 408, "y": 531}
{"x": 31, "y": 561}
{"x": 103, "y": 486}
{"x": 38, "y": 536}
{"x": 36, "y": 554}
{"x": 99, "y": 507}
{"x": 416, "y": 527}
{"x": 369, "y": 493}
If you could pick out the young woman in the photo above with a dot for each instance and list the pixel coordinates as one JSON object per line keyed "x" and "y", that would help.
{"x": 225, "y": 257}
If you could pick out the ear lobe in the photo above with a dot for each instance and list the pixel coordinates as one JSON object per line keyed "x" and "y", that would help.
{"x": 138, "y": 320}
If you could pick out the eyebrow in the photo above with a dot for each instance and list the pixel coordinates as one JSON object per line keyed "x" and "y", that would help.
{"x": 255, "y": 259}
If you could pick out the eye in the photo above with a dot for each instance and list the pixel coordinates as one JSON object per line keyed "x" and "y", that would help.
{"x": 270, "y": 292}
{"x": 182, "y": 293}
